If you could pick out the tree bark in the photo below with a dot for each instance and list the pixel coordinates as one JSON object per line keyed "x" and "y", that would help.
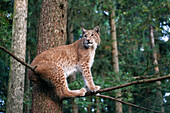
{"x": 115, "y": 60}
{"x": 18, "y": 47}
{"x": 51, "y": 33}
{"x": 52, "y": 24}
{"x": 156, "y": 68}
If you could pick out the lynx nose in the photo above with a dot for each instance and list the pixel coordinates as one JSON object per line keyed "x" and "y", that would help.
{"x": 88, "y": 41}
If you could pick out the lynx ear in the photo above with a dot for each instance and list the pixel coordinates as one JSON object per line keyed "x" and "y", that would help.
{"x": 97, "y": 29}
{"x": 83, "y": 30}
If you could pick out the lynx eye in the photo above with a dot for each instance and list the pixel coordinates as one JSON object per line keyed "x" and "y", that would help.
{"x": 85, "y": 35}
{"x": 91, "y": 34}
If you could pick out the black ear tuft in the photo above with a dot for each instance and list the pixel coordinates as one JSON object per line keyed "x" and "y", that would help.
{"x": 97, "y": 29}
{"x": 83, "y": 30}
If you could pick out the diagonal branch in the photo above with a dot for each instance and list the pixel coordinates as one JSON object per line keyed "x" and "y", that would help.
{"x": 19, "y": 60}
{"x": 127, "y": 103}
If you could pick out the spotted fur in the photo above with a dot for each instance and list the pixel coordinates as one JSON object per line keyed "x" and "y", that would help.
{"x": 56, "y": 64}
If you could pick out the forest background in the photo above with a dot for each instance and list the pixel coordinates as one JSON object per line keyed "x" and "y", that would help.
{"x": 133, "y": 20}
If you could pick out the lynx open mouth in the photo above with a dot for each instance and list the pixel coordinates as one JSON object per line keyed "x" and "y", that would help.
{"x": 89, "y": 43}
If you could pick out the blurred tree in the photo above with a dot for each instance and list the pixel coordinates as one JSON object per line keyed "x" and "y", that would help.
{"x": 134, "y": 17}
{"x": 27, "y": 85}
{"x": 115, "y": 59}
{"x": 70, "y": 39}
{"x": 17, "y": 71}
{"x": 32, "y": 26}
{"x": 156, "y": 68}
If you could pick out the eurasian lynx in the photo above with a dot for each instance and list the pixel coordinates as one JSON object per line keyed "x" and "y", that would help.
{"x": 56, "y": 64}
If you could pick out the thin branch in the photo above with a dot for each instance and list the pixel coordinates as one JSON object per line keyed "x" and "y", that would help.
{"x": 144, "y": 77}
{"x": 127, "y": 103}
{"x": 128, "y": 84}
{"x": 19, "y": 60}
{"x": 135, "y": 82}
{"x": 3, "y": 43}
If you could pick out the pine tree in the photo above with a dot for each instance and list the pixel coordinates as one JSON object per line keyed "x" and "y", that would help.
{"x": 17, "y": 70}
{"x": 115, "y": 59}
{"x": 51, "y": 33}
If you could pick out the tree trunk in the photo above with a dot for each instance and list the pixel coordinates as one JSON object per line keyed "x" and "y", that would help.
{"x": 52, "y": 24}
{"x": 18, "y": 47}
{"x": 51, "y": 33}
{"x": 156, "y": 68}
{"x": 115, "y": 60}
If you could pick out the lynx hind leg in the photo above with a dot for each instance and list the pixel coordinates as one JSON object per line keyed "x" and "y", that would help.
{"x": 55, "y": 75}
{"x": 65, "y": 91}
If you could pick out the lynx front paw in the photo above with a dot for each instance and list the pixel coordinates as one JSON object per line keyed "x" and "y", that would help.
{"x": 93, "y": 89}
{"x": 97, "y": 88}
{"x": 83, "y": 91}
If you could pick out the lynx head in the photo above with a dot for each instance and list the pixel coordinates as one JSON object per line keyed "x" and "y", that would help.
{"x": 91, "y": 38}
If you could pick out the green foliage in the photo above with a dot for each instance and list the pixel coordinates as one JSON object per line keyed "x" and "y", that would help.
{"x": 33, "y": 17}
{"x": 28, "y": 97}
{"x": 5, "y": 41}
{"x": 3, "y": 84}
{"x": 132, "y": 20}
